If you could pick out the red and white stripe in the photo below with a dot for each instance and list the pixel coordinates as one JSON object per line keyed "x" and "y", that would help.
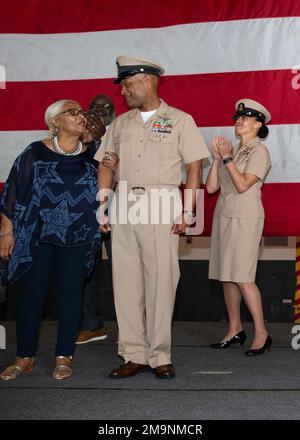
{"x": 214, "y": 52}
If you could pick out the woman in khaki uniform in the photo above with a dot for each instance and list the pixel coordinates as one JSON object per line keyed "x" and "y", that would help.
{"x": 239, "y": 219}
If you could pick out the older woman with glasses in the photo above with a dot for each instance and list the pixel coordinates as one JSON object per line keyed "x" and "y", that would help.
{"x": 49, "y": 232}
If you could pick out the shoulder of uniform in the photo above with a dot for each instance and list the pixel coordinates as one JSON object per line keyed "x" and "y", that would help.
{"x": 180, "y": 113}
{"x": 261, "y": 150}
{"x": 261, "y": 146}
{"x": 119, "y": 120}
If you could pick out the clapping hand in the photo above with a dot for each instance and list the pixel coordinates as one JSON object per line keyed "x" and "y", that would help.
{"x": 214, "y": 149}
{"x": 222, "y": 146}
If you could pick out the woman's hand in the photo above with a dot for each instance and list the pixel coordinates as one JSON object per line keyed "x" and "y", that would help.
{"x": 214, "y": 149}
{"x": 111, "y": 161}
{"x": 7, "y": 244}
{"x": 224, "y": 147}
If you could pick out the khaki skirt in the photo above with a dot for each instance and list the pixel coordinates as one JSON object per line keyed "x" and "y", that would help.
{"x": 234, "y": 248}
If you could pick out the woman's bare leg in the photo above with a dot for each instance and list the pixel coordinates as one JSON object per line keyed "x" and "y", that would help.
{"x": 252, "y": 298}
{"x": 232, "y": 297}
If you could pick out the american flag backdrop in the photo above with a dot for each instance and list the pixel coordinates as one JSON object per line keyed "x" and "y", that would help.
{"x": 214, "y": 52}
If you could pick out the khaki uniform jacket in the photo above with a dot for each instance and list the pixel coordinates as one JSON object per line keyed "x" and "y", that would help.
{"x": 145, "y": 256}
{"x": 252, "y": 158}
{"x": 152, "y": 153}
{"x": 239, "y": 218}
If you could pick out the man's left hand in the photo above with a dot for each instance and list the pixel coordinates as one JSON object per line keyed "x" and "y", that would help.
{"x": 179, "y": 227}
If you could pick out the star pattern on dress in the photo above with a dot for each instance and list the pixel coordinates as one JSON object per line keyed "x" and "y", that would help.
{"x": 21, "y": 253}
{"x": 46, "y": 172}
{"x": 89, "y": 178}
{"x": 58, "y": 220}
{"x": 18, "y": 215}
{"x": 81, "y": 233}
{"x": 53, "y": 205}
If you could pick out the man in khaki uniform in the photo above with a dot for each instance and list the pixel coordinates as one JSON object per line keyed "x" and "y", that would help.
{"x": 152, "y": 141}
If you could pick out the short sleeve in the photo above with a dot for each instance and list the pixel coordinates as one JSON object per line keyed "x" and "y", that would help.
{"x": 259, "y": 162}
{"x": 108, "y": 143}
{"x": 192, "y": 146}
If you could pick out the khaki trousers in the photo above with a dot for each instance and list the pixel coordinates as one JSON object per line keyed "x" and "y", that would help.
{"x": 145, "y": 278}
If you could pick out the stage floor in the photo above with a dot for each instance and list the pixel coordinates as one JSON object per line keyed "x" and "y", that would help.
{"x": 209, "y": 384}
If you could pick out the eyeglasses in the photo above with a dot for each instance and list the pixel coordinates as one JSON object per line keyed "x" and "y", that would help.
{"x": 72, "y": 112}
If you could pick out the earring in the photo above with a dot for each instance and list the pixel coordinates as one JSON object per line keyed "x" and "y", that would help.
{"x": 52, "y": 132}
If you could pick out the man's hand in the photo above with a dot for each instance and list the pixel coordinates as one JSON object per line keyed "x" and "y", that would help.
{"x": 105, "y": 229}
{"x": 103, "y": 218}
{"x": 179, "y": 226}
{"x": 95, "y": 125}
{"x": 110, "y": 161}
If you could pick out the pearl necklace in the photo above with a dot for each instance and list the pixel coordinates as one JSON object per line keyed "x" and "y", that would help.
{"x": 58, "y": 150}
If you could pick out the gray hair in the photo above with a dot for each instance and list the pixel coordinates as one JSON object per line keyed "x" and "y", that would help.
{"x": 54, "y": 109}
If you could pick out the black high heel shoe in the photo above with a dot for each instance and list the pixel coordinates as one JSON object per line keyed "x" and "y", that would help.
{"x": 261, "y": 350}
{"x": 238, "y": 338}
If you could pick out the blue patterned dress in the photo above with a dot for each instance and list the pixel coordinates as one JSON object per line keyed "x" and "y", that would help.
{"x": 50, "y": 198}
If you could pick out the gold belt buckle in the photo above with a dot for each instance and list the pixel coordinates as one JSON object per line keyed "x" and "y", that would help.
{"x": 138, "y": 190}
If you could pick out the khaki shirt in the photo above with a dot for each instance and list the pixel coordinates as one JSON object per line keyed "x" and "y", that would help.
{"x": 152, "y": 153}
{"x": 252, "y": 158}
